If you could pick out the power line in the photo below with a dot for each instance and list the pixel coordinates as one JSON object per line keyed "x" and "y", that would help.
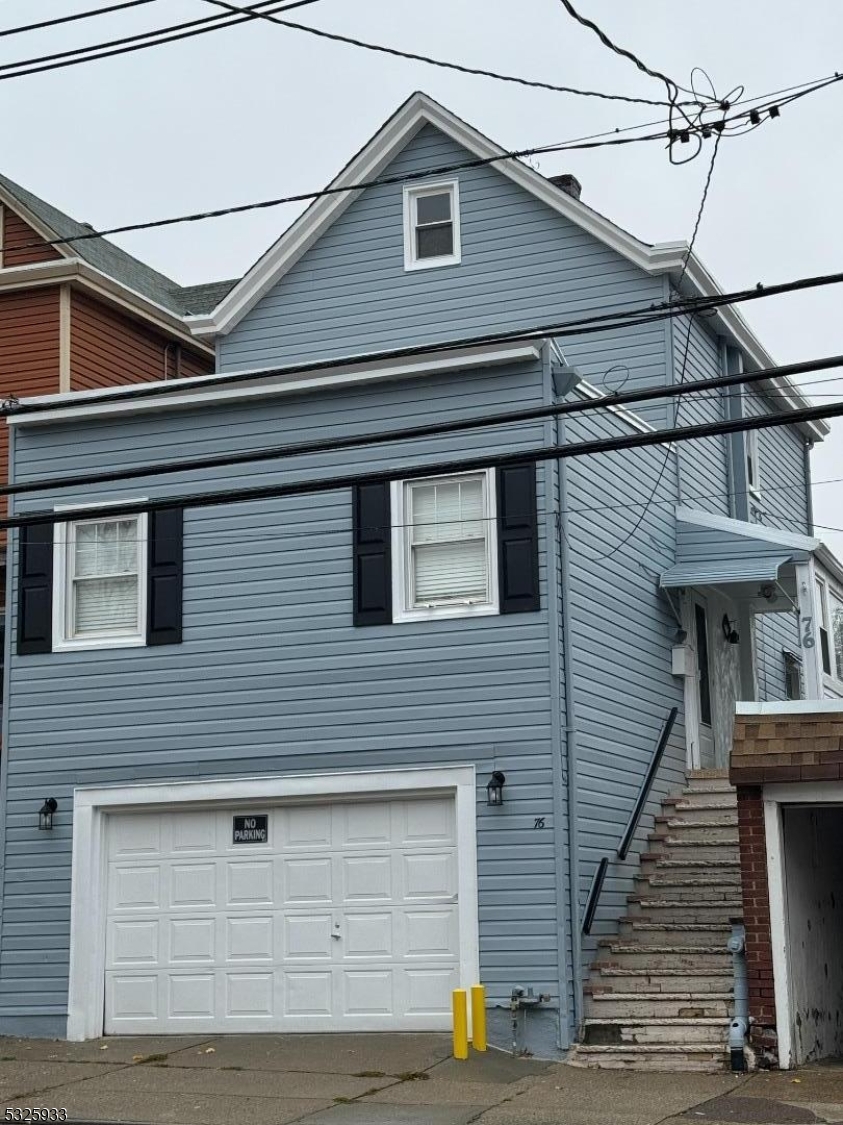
{"x": 657, "y": 484}
{"x": 584, "y": 326}
{"x": 129, "y": 43}
{"x": 427, "y": 60}
{"x": 419, "y": 472}
{"x": 90, "y": 14}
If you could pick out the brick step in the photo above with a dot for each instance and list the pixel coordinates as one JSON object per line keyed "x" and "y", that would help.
{"x": 701, "y": 1057}
{"x": 600, "y": 1032}
{"x": 690, "y": 1005}
{"x": 682, "y": 911}
{"x": 653, "y": 979}
{"x": 653, "y": 957}
{"x": 672, "y": 933}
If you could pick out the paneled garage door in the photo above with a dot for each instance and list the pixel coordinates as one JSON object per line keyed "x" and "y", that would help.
{"x": 321, "y": 917}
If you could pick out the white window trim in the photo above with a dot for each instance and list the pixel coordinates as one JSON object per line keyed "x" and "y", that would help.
{"x": 823, "y": 582}
{"x": 411, "y": 194}
{"x": 400, "y": 552}
{"x": 753, "y": 455}
{"x": 92, "y": 806}
{"x": 61, "y": 641}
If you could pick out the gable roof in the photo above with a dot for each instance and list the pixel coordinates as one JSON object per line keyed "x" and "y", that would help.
{"x": 667, "y": 258}
{"x": 51, "y": 223}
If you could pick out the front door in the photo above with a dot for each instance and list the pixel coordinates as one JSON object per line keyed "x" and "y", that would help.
{"x": 716, "y": 684}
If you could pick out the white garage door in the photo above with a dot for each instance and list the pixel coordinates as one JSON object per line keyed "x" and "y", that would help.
{"x": 321, "y": 917}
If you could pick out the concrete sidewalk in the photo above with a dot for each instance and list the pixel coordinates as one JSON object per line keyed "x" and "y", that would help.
{"x": 381, "y": 1080}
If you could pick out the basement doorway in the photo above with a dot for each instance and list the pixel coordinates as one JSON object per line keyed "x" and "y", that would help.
{"x": 812, "y": 852}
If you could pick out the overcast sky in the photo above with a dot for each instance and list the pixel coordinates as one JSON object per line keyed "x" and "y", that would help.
{"x": 258, "y": 111}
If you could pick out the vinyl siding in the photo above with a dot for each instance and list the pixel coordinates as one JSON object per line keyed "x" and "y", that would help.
{"x": 783, "y": 501}
{"x": 522, "y": 264}
{"x": 623, "y": 632}
{"x": 774, "y": 632}
{"x": 272, "y": 676}
{"x": 21, "y": 244}
{"x": 108, "y": 348}
{"x": 703, "y": 463}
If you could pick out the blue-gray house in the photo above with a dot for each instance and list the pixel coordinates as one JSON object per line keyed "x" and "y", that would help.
{"x": 268, "y": 705}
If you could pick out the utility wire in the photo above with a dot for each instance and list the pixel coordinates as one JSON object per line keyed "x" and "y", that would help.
{"x": 533, "y": 455}
{"x": 657, "y": 484}
{"x": 90, "y": 14}
{"x": 602, "y": 322}
{"x": 412, "y": 433}
{"x": 129, "y": 43}
{"x": 414, "y": 57}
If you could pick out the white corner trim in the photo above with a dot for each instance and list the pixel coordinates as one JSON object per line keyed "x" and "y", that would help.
{"x": 92, "y": 806}
{"x": 777, "y": 891}
{"x": 401, "y": 612}
{"x": 144, "y": 397}
{"x": 748, "y": 530}
{"x": 412, "y": 192}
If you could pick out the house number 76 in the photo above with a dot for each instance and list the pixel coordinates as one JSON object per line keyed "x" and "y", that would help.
{"x": 538, "y": 822}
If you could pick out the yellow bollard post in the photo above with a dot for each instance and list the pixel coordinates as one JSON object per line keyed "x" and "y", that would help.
{"x": 460, "y": 1005}
{"x": 478, "y": 1017}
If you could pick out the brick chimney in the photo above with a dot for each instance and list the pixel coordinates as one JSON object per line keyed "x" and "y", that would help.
{"x": 568, "y": 183}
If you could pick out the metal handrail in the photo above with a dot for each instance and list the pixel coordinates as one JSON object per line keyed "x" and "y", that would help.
{"x": 632, "y": 824}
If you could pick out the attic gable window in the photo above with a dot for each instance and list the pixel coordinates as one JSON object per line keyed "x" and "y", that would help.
{"x": 431, "y": 225}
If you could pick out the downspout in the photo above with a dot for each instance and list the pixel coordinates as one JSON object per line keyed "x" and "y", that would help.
{"x": 563, "y": 546}
{"x": 554, "y": 595}
{"x": 739, "y": 1027}
{"x": 809, "y": 493}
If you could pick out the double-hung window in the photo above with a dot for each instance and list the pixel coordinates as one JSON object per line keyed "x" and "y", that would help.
{"x": 431, "y": 225}
{"x": 444, "y": 547}
{"x": 753, "y": 464}
{"x": 830, "y": 628}
{"x": 100, "y": 582}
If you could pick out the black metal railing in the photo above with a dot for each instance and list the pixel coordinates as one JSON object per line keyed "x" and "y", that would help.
{"x": 632, "y": 824}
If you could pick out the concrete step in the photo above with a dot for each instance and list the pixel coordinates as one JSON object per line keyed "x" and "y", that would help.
{"x": 703, "y": 832}
{"x": 599, "y": 1031}
{"x": 725, "y": 860}
{"x": 678, "y": 911}
{"x": 654, "y": 979}
{"x": 674, "y": 846}
{"x": 700, "y": 1057}
{"x": 654, "y": 957}
{"x": 699, "y": 816}
{"x": 683, "y": 802}
{"x": 727, "y": 882}
{"x": 679, "y": 1005}
{"x": 707, "y": 785}
{"x": 669, "y": 933}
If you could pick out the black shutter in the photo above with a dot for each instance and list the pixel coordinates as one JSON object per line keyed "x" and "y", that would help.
{"x": 372, "y": 556}
{"x": 518, "y": 539}
{"x": 165, "y": 577}
{"x": 35, "y": 589}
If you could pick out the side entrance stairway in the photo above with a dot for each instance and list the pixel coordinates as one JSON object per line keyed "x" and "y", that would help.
{"x": 660, "y": 993}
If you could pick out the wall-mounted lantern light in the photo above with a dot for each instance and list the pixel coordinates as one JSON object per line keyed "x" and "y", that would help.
{"x": 730, "y": 633}
{"x": 494, "y": 790}
{"x": 45, "y": 814}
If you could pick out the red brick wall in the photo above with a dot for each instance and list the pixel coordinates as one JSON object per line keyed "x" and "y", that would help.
{"x": 756, "y": 914}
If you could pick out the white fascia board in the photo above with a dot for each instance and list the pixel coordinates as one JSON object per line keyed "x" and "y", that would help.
{"x": 418, "y": 111}
{"x": 792, "y": 707}
{"x": 830, "y": 562}
{"x": 142, "y": 397}
{"x": 748, "y": 530}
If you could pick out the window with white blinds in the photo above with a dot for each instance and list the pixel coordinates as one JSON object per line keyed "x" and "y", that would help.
{"x": 103, "y": 581}
{"x": 447, "y": 546}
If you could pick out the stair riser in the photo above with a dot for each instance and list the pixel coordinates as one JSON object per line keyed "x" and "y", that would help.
{"x": 657, "y": 962}
{"x": 691, "y": 893}
{"x": 727, "y": 818}
{"x": 683, "y": 850}
{"x": 650, "y": 933}
{"x": 687, "y": 834}
{"x": 655, "y": 982}
{"x": 680, "y": 1035}
{"x": 726, "y": 883}
{"x": 622, "y": 1010}
{"x": 682, "y": 913}
{"x": 656, "y": 1064}
{"x": 694, "y": 800}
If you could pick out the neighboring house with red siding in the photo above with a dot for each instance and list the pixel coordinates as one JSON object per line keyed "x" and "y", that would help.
{"x": 81, "y": 315}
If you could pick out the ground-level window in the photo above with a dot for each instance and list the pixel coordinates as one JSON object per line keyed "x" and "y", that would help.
{"x": 792, "y": 675}
{"x": 100, "y": 582}
{"x": 446, "y": 546}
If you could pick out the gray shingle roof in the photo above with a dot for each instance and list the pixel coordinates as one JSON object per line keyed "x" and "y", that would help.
{"x": 116, "y": 263}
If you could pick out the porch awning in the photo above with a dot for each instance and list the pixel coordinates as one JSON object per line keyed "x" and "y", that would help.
{"x": 724, "y": 571}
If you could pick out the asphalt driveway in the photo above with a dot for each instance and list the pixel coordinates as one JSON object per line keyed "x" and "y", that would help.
{"x": 380, "y": 1080}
